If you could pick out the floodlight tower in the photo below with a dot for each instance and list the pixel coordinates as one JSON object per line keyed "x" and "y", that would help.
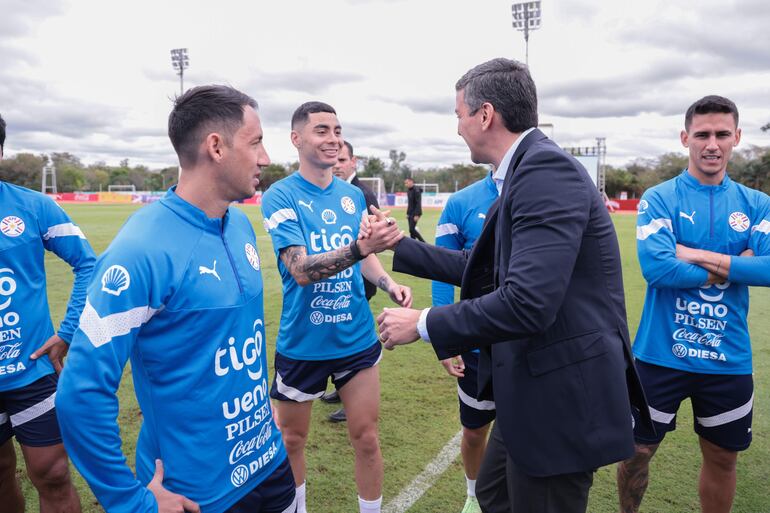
{"x": 526, "y": 17}
{"x": 181, "y": 62}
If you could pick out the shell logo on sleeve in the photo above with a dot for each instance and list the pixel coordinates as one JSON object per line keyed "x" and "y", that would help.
{"x": 348, "y": 205}
{"x": 115, "y": 280}
{"x": 252, "y": 256}
{"x": 739, "y": 221}
{"x": 12, "y": 226}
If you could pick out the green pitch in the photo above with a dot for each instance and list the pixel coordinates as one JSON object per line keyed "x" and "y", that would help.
{"x": 418, "y": 414}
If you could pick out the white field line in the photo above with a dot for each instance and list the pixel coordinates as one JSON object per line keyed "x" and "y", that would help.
{"x": 420, "y": 484}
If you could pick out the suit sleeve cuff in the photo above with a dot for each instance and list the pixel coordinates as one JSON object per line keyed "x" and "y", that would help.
{"x": 422, "y": 325}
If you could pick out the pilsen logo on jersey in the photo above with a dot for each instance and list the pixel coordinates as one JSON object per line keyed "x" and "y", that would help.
{"x": 739, "y": 221}
{"x": 12, "y": 226}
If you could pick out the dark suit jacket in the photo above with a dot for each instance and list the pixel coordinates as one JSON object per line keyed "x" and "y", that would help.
{"x": 413, "y": 201}
{"x": 543, "y": 297}
{"x": 370, "y": 289}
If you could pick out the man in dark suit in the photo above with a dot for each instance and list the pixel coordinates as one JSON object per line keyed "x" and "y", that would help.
{"x": 413, "y": 208}
{"x": 542, "y": 296}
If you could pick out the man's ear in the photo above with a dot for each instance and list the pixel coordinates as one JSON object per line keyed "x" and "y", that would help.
{"x": 487, "y": 112}
{"x": 295, "y": 138}
{"x": 684, "y": 138}
{"x": 215, "y": 146}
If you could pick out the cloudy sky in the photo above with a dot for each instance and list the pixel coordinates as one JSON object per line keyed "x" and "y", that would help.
{"x": 94, "y": 77}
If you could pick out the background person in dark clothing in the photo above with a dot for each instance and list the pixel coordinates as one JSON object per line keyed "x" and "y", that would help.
{"x": 413, "y": 208}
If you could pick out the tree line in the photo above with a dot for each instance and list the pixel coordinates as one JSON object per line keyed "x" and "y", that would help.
{"x": 750, "y": 166}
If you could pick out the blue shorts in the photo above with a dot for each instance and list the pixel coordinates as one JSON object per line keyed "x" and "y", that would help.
{"x": 722, "y": 405}
{"x": 29, "y": 413}
{"x": 305, "y": 380}
{"x": 473, "y": 413}
{"x": 276, "y": 494}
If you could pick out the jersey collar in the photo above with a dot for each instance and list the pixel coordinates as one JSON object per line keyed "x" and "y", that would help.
{"x": 193, "y": 214}
{"x": 695, "y": 184}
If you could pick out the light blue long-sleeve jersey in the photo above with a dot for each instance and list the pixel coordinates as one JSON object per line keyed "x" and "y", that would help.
{"x": 686, "y": 324}
{"x": 181, "y": 296}
{"x": 31, "y": 223}
{"x": 460, "y": 225}
{"x": 329, "y": 318}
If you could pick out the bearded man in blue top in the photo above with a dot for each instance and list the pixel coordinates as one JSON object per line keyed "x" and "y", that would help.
{"x": 179, "y": 292}
{"x": 327, "y": 329}
{"x": 702, "y": 241}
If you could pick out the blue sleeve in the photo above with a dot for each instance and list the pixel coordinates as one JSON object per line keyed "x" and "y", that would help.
{"x": 448, "y": 235}
{"x": 122, "y": 297}
{"x": 656, "y": 247}
{"x": 64, "y": 238}
{"x": 281, "y": 220}
{"x": 755, "y": 270}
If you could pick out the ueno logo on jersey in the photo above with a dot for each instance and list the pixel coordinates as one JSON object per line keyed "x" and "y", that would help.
{"x": 348, "y": 205}
{"x": 705, "y": 294}
{"x": 250, "y": 354}
{"x": 252, "y": 256}
{"x": 712, "y": 307}
{"x": 323, "y": 242}
{"x": 12, "y": 226}
{"x": 8, "y": 318}
{"x": 115, "y": 280}
{"x": 739, "y": 221}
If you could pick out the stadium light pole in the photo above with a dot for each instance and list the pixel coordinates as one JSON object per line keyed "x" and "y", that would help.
{"x": 526, "y": 18}
{"x": 181, "y": 62}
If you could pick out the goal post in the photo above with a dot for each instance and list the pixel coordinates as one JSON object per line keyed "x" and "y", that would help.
{"x": 377, "y": 185}
{"x": 125, "y": 189}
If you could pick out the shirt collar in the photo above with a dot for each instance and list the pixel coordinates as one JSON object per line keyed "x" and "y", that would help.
{"x": 193, "y": 214}
{"x": 502, "y": 170}
{"x": 350, "y": 178}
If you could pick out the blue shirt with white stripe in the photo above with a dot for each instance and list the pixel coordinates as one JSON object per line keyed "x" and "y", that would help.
{"x": 460, "y": 225}
{"x": 330, "y": 318}
{"x": 180, "y": 295}
{"x": 30, "y": 224}
{"x": 687, "y": 324}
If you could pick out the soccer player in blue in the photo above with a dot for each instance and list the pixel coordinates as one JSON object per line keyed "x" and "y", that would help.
{"x": 179, "y": 291}
{"x": 458, "y": 228}
{"x": 31, "y": 353}
{"x": 327, "y": 329}
{"x": 702, "y": 241}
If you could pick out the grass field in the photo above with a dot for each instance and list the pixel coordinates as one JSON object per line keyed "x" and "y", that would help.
{"x": 419, "y": 405}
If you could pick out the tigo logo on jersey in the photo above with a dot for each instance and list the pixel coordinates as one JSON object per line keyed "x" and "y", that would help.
{"x": 329, "y": 216}
{"x": 739, "y": 221}
{"x": 115, "y": 280}
{"x": 348, "y": 205}
{"x": 12, "y": 226}
{"x": 252, "y": 256}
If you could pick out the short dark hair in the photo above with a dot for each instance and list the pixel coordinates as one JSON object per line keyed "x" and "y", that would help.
{"x": 350, "y": 148}
{"x": 303, "y": 112}
{"x": 2, "y": 133}
{"x": 202, "y": 110}
{"x": 508, "y": 86}
{"x": 709, "y": 105}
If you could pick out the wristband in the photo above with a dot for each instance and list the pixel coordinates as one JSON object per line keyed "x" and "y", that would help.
{"x": 355, "y": 251}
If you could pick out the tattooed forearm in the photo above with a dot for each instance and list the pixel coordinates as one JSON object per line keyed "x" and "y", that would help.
{"x": 310, "y": 268}
{"x": 382, "y": 283}
{"x": 633, "y": 478}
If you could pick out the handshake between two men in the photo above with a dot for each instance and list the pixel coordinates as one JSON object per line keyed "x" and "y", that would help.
{"x": 397, "y": 326}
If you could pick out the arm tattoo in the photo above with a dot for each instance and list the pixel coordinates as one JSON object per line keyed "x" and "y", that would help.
{"x": 309, "y": 268}
{"x": 382, "y": 283}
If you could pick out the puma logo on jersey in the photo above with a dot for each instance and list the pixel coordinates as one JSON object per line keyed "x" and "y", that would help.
{"x": 689, "y": 218}
{"x": 213, "y": 271}
{"x": 482, "y": 216}
{"x": 309, "y": 206}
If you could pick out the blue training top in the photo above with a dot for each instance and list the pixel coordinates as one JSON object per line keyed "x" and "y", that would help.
{"x": 330, "y": 318}
{"x": 460, "y": 225}
{"x": 181, "y": 296}
{"x": 686, "y": 324}
{"x": 30, "y": 223}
